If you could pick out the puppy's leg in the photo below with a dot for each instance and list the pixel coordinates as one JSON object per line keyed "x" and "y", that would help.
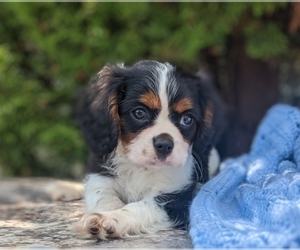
{"x": 108, "y": 217}
{"x": 100, "y": 194}
{"x": 64, "y": 190}
{"x": 135, "y": 218}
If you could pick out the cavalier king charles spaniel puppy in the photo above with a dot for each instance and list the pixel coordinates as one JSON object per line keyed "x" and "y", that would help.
{"x": 151, "y": 129}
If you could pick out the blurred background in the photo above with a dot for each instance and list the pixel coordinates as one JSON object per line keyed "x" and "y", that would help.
{"x": 49, "y": 51}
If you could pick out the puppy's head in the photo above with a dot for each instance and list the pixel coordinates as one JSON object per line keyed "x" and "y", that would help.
{"x": 150, "y": 113}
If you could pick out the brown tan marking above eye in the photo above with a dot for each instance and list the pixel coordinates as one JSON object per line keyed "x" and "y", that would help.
{"x": 151, "y": 100}
{"x": 182, "y": 105}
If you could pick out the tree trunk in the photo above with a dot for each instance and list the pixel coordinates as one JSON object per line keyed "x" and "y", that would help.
{"x": 252, "y": 87}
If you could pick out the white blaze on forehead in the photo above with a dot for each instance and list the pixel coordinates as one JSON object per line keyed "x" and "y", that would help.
{"x": 163, "y": 81}
{"x": 166, "y": 84}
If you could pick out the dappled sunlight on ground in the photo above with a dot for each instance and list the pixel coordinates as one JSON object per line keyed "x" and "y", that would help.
{"x": 29, "y": 219}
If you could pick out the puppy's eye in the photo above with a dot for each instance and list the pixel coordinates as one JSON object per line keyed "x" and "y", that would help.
{"x": 139, "y": 114}
{"x": 186, "y": 120}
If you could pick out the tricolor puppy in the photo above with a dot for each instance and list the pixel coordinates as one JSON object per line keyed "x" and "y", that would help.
{"x": 151, "y": 129}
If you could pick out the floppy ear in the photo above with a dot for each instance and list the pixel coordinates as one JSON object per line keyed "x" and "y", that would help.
{"x": 97, "y": 112}
{"x": 214, "y": 113}
{"x": 208, "y": 114}
{"x": 214, "y": 122}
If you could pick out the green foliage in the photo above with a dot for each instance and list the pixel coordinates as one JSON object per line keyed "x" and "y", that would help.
{"x": 49, "y": 50}
{"x": 37, "y": 136}
{"x": 266, "y": 42}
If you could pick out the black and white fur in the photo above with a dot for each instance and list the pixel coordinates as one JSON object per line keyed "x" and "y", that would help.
{"x": 151, "y": 129}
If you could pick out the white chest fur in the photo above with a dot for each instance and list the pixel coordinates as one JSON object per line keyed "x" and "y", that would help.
{"x": 137, "y": 182}
{"x": 134, "y": 183}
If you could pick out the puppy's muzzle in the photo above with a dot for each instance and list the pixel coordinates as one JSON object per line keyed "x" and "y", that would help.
{"x": 163, "y": 145}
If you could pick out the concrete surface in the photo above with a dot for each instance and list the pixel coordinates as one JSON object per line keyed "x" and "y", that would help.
{"x": 28, "y": 218}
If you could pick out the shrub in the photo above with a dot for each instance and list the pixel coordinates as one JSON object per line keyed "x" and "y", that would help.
{"x": 48, "y": 51}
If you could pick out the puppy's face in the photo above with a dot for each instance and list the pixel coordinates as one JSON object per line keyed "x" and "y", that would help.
{"x": 159, "y": 113}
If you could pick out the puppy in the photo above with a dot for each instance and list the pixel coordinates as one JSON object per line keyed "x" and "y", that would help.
{"x": 151, "y": 129}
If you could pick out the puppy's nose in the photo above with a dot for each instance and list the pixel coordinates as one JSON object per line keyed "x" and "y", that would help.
{"x": 163, "y": 145}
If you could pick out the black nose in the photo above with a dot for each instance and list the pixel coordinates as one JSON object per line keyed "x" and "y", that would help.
{"x": 163, "y": 145}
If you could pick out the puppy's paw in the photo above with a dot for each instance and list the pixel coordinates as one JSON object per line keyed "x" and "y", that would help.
{"x": 64, "y": 190}
{"x": 97, "y": 225}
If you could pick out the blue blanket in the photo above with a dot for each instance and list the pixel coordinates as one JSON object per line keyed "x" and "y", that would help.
{"x": 255, "y": 200}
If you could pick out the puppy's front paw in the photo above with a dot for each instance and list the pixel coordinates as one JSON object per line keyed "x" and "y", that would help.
{"x": 97, "y": 225}
{"x": 64, "y": 190}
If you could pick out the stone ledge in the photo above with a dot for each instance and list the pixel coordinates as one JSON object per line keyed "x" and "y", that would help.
{"x": 28, "y": 218}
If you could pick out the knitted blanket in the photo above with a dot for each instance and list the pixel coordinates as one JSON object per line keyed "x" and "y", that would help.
{"x": 255, "y": 200}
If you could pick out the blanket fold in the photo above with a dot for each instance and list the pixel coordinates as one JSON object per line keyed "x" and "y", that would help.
{"x": 255, "y": 200}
